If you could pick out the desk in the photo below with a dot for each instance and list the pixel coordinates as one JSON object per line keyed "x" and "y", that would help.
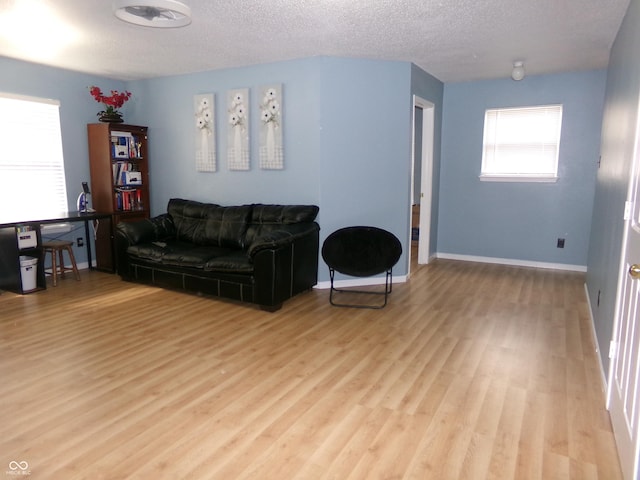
{"x": 9, "y": 251}
{"x": 64, "y": 217}
{"x": 81, "y": 217}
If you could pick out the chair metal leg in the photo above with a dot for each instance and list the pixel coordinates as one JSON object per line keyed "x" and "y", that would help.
{"x": 388, "y": 286}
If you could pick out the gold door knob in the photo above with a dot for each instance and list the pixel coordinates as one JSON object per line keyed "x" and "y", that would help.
{"x": 634, "y": 270}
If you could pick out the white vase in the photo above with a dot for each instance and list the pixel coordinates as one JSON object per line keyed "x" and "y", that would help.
{"x": 204, "y": 145}
{"x": 271, "y": 143}
{"x": 237, "y": 145}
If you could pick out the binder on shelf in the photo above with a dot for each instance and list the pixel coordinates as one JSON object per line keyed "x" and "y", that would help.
{"x": 115, "y": 133}
{"x": 125, "y": 145}
{"x": 120, "y": 144}
{"x": 132, "y": 178}
{"x": 126, "y": 173}
{"x": 27, "y": 238}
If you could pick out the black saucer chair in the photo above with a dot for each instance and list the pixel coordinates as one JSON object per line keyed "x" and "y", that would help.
{"x": 361, "y": 252}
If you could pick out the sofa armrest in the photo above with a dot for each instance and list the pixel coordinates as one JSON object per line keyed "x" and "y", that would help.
{"x": 147, "y": 230}
{"x": 143, "y": 231}
{"x": 281, "y": 236}
{"x": 285, "y": 263}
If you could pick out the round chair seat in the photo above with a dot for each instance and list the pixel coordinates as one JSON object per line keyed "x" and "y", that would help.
{"x": 361, "y": 251}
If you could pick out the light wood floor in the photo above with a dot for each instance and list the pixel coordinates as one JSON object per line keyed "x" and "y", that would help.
{"x": 471, "y": 372}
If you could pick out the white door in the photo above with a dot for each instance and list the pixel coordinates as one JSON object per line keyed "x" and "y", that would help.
{"x": 426, "y": 194}
{"x": 426, "y": 179}
{"x": 624, "y": 393}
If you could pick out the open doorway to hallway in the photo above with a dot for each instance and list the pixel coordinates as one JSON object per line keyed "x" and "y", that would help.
{"x": 421, "y": 180}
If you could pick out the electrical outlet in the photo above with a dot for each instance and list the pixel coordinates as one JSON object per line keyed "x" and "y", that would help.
{"x": 560, "y": 243}
{"x": 80, "y": 241}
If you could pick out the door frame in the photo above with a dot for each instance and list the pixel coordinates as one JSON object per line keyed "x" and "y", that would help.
{"x": 426, "y": 179}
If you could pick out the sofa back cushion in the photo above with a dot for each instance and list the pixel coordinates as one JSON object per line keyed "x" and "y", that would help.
{"x": 208, "y": 223}
{"x": 283, "y": 214}
{"x": 267, "y": 218}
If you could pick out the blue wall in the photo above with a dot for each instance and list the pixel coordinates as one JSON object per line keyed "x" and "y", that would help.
{"x": 365, "y": 147}
{"x": 77, "y": 108}
{"x": 618, "y": 142}
{"x": 520, "y": 221}
{"x": 347, "y": 140}
{"x": 346, "y": 134}
{"x": 165, "y": 105}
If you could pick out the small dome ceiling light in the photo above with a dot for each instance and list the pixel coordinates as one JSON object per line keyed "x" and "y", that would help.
{"x": 153, "y": 13}
{"x": 518, "y": 71}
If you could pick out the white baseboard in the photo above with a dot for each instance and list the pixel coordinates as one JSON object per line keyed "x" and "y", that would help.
{"x": 513, "y": 262}
{"x": 594, "y": 338}
{"x": 359, "y": 282}
{"x": 81, "y": 265}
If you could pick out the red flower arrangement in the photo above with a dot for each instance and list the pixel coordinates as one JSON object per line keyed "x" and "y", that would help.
{"x": 112, "y": 103}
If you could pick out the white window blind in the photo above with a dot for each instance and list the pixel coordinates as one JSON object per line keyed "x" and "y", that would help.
{"x": 522, "y": 143}
{"x": 31, "y": 160}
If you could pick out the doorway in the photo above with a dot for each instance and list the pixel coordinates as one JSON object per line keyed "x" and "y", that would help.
{"x": 421, "y": 198}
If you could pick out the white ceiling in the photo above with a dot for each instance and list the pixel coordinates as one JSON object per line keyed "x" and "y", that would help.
{"x": 454, "y": 40}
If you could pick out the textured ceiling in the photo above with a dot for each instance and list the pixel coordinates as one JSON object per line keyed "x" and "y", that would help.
{"x": 454, "y": 40}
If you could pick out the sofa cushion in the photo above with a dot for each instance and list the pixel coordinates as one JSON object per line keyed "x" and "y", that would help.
{"x": 177, "y": 253}
{"x": 234, "y": 262}
{"x": 147, "y": 251}
{"x": 193, "y": 256}
{"x": 209, "y": 224}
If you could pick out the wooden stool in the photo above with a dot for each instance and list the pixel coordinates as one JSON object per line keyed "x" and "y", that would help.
{"x": 57, "y": 247}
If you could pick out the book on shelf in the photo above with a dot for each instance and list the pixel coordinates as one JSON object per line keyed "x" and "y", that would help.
{"x": 125, "y": 145}
{"x": 126, "y": 173}
{"x": 128, "y": 199}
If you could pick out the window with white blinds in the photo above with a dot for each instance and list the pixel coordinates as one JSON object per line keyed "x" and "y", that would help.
{"x": 521, "y": 144}
{"x": 31, "y": 160}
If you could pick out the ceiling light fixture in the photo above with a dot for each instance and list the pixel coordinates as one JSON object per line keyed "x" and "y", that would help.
{"x": 518, "y": 71}
{"x": 153, "y": 13}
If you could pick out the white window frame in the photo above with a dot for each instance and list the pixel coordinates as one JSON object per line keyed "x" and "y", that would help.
{"x": 31, "y": 161}
{"x": 509, "y": 133}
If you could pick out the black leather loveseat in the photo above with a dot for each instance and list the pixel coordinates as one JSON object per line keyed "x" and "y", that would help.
{"x": 262, "y": 254}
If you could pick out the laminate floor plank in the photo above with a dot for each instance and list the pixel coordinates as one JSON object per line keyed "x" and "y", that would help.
{"x": 471, "y": 371}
